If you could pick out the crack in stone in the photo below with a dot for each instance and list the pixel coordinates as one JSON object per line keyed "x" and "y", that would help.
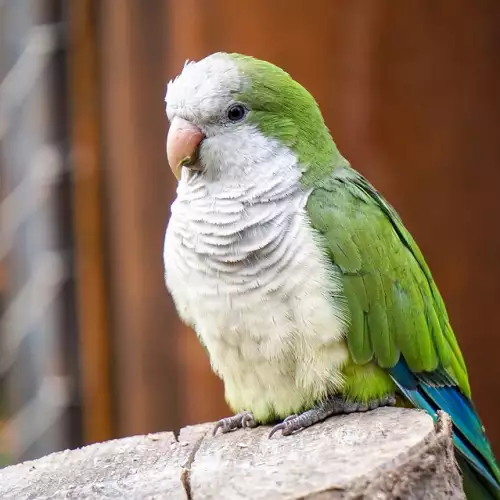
{"x": 176, "y": 433}
{"x": 186, "y": 468}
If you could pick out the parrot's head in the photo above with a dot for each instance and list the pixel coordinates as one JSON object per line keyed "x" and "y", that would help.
{"x": 231, "y": 114}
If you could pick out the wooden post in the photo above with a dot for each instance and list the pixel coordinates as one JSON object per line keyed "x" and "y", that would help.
{"x": 389, "y": 453}
{"x": 140, "y": 188}
{"x": 92, "y": 299}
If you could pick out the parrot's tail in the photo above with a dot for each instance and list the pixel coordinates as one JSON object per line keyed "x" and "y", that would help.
{"x": 436, "y": 391}
{"x": 474, "y": 485}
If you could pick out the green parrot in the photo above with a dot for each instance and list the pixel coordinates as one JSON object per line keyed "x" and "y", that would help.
{"x": 302, "y": 283}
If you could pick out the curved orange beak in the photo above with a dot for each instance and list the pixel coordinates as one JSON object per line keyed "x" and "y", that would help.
{"x": 183, "y": 141}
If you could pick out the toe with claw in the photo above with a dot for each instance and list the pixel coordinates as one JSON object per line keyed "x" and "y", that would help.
{"x": 243, "y": 420}
{"x": 332, "y": 406}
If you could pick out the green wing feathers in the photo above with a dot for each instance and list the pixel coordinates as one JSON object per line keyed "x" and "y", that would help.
{"x": 394, "y": 303}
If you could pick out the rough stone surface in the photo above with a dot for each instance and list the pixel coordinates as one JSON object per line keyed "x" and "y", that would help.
{"x": 389, "y": 453}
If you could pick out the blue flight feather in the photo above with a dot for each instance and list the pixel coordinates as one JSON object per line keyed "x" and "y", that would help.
{"x": 432, "y": 391}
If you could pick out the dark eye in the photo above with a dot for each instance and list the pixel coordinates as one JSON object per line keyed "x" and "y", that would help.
{"x": 236, "y": 112}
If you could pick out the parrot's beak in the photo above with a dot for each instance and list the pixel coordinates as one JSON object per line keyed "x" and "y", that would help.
{"x": 183, "y": 142}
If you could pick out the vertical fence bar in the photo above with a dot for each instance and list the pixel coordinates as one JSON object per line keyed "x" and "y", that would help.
{"x": 91, "y": 290}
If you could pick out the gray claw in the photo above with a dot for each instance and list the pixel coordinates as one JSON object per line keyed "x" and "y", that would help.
{"x": 247, "y": 421}
{"x": 287, "y": 427}
{"x": 275, "y": 429}
{"x": 224, "y": 424}
{"x": 240, "y": 420}
{"x": 283, "y": 426}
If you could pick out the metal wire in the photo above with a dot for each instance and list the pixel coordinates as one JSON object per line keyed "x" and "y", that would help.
{"x": 38, "y": 415}
{"x": 40, "y": 46}
{"x": 30, "y": 171}
{"x": 29, "y": 306}
{"x": 29, "y": 195}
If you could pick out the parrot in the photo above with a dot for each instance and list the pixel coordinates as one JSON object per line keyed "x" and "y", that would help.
{"x": 308, "y": 293}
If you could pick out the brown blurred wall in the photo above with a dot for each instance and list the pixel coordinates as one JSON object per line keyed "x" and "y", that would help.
{"x": 411, "y": 91}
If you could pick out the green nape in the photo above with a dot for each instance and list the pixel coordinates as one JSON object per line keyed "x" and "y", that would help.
{"x": 283, "y": 109}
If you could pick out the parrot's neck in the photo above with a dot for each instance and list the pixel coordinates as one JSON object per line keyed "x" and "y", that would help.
{"x": 239, "y": 221}
{"x": 242, "y": 219}
{"x": 238, "y": 230}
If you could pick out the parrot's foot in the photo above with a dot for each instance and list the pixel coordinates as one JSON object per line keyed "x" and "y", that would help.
{"x": 243, "y": 420}
{"x": 332, "y": 406}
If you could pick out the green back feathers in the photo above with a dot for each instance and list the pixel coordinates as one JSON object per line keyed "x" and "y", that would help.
{"x": 284, "y": 110}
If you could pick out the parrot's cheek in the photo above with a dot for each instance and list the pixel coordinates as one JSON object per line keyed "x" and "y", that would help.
{"x": 183, "y": 143}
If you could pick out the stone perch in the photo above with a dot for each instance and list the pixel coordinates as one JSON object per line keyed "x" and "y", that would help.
{"x": 389, "y": 453}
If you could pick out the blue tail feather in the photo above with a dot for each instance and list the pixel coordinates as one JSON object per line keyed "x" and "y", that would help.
{"x": 436, "y": 391}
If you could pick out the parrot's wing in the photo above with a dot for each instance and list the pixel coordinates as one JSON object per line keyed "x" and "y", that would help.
{"x": 397, "y": 316}
{"x": 394, "y": 304}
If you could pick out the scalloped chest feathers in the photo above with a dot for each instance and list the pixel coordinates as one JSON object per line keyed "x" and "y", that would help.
{"x": 245, "y": 270}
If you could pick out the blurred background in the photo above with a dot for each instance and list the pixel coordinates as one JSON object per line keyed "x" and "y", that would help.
{"x": 90, "y": 345}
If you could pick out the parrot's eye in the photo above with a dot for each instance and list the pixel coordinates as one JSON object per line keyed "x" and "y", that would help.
{"x": 236, "y": 112}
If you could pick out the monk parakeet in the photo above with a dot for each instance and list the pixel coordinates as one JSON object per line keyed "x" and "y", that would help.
{"x": 300, "y": 280}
